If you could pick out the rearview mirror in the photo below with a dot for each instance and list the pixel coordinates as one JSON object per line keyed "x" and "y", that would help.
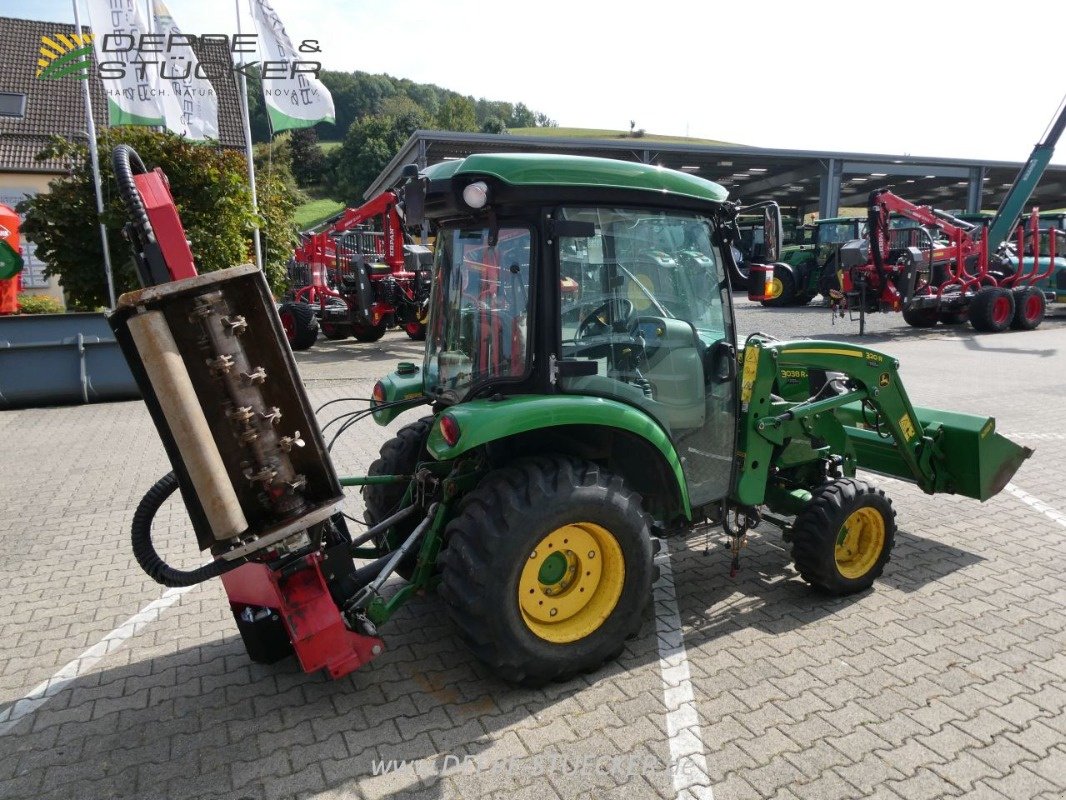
{"x": 773, "y": 230}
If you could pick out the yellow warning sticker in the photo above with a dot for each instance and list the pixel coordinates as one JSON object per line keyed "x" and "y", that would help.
{"x": 751, "y": 366}
{"x": 884, "y": 380}
{"x": 988, "y": 428}
{"x": 907, "y": 427}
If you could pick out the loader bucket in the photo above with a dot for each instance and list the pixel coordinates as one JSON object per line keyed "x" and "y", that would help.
{"x": 973, "y": 459}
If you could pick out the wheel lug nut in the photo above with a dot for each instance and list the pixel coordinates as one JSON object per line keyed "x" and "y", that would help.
{"x": 533, "y": 555}
{"x": 592, "y": 553}
{"x": 553, "y": 612}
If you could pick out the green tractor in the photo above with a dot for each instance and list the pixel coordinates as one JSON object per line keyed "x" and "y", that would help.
{"x": 586, "y": 399}
{"x": 808, "y": 268}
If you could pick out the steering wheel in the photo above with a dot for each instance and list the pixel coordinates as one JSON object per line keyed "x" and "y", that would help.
{"x": 596, "y": 324}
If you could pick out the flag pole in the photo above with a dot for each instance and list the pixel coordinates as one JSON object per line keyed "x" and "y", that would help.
{"x": 243, "y": 92}
{"x": 94, "y": 156}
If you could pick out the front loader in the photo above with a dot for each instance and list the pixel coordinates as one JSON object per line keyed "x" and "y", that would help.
{"x": 582, "y": 395}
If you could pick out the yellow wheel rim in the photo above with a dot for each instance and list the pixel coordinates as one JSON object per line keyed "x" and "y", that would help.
{"x": 571, "y": 582}
{"x": 860, "y": 542}
{"x": 776, "y": 287}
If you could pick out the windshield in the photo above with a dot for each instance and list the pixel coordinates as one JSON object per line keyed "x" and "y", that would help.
{"x": 479, "y": 318}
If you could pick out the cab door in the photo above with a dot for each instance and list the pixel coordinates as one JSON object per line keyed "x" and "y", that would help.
{"x": 644, "y": 294}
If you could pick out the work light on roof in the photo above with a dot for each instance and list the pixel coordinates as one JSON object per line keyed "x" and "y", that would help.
{"x": 476, "y": 194}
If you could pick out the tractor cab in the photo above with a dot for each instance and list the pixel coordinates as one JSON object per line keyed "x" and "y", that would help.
{"x": 620, "y": 302}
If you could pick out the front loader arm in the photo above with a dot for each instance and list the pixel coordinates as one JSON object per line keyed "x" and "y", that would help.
{"x": 864, "y": 420}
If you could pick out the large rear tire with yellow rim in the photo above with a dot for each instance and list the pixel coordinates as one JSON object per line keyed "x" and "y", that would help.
{"x": 547, "y": 568}
{"x": 843, "y": 539}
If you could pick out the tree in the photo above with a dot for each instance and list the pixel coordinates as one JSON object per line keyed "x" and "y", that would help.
{"x": 457, "y": 114}
{"x": 308, "y": 161}
{"x": 367, "y": 149}
{"x": 522, "y": 117}
{"x": 493, "y": 125}
{"x": 210, "y": 188}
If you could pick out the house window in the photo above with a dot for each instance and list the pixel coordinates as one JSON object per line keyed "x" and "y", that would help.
{"x": 12, "y": 104}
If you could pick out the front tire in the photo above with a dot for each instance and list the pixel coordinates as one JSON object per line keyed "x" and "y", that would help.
{"x": 368, "y": 333}
{"x": 547, "y": 569}
{"x": 398, "y": 456}
{"x": 843, "y": 539}
{"x": 299, "y": 323}
{"x": 334, "y": 331}
{"x": 921, "y": 317}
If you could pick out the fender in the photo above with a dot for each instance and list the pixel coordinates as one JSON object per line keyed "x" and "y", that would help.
{"x": 403, "y": 386}
{"x": 483, "y": 421}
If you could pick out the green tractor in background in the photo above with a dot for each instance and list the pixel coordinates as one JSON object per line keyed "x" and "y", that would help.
{"x": 586, "y": 400}
{"x": 808, "y": 268}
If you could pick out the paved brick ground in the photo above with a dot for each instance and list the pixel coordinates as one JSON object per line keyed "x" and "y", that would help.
{"x": 949, "y": 679}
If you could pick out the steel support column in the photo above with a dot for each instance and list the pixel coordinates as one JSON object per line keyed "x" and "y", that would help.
{"x": 975, "y": 189}
{"x": 829, "y": 189}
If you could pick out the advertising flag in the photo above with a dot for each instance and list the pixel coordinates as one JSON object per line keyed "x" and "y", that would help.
{"x": 132, "y": 87}
{"x": 194, "y": 110}
{"x": 294, "y": 98}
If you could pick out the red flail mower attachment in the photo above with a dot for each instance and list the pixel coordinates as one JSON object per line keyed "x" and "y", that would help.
{"x": 210, "y": 358}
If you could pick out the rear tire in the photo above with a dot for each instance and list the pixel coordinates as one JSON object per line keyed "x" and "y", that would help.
{"x": 335, "y": 332}
{"x": 953, "y": 317}
{"x": 784, "y": 288}
{"x": 843, "y": 539}
{"x": 398, "y": 456}
{"x": 507, "y": 557}
{"x": 991, "y": 309}
{"x": 921, "y": 317}
{"x": 299, "y": 323}
{"x": 368, "y": 333}
{"x": 1029, "y": 309}
{"x": 415, "y": 331}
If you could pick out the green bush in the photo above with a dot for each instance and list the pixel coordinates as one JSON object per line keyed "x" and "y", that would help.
{"x": 210, "y": 187}
{"x": 39, "y": 304}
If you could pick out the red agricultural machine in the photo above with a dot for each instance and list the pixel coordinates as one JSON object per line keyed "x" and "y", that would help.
{"x": 358, "y": 276}
{"x": 948, "y": 270}
{"x": 952, "y": 277}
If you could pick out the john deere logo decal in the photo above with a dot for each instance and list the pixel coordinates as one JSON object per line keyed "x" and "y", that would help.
{"x": 63, "y": 55}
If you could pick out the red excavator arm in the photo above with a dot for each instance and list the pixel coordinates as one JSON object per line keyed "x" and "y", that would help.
{"x": 319, "y": 248}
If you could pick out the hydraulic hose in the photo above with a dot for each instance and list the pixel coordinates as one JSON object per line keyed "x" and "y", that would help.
{"x": 126, "y": 163}
{"x": 145, "y": 553}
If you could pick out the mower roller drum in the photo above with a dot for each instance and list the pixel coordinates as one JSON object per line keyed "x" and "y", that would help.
{"x": 992, "y": 309}
{"x": 547, "y": 568}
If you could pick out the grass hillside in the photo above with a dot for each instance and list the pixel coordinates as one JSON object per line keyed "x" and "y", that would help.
{"x": 604, "y": 133}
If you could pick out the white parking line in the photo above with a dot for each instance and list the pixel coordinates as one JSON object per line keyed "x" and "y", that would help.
{"x": 688, "y": 761}
{"x": 1048, "y": 511}
{"x": 45, "y": 691}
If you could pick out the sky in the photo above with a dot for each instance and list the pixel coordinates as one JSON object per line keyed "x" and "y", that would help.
{"x": 926, "y": 78}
